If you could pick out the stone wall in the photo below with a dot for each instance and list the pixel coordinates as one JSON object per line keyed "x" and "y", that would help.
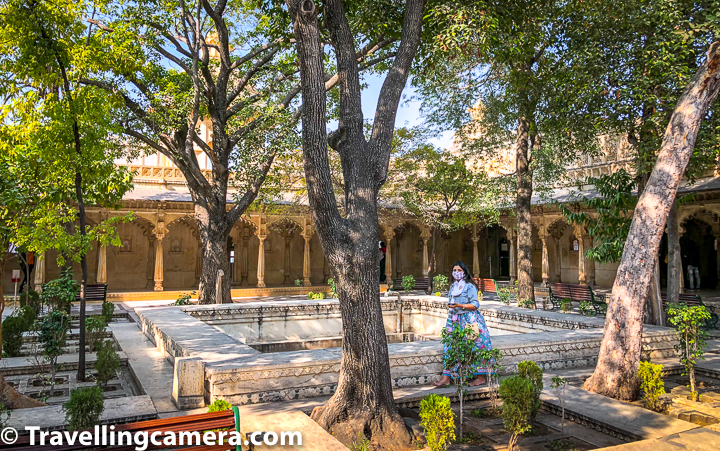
{"x": 195, "y": 338}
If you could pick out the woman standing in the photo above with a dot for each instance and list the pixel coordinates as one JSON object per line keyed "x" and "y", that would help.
{"x": 463, "y": 312}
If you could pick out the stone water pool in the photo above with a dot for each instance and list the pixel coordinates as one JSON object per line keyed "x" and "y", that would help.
{"x": 270, "y": 351}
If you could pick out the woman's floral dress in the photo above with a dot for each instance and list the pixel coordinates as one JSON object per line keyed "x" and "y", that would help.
{"x": 465, "y": 318}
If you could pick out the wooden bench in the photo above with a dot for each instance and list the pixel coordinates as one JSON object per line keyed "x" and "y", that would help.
{"x": 422, "y": 283}
{"x": 577, "y": 293}
{"x": 694, "y": 300}
{"x": 187, "y": 423}
{"x": 95, "y": 292}
{"x": 486, "y": 285}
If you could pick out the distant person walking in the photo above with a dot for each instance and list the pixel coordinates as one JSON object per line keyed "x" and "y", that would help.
{"x": 691, "y": 258}
{"x": 27, "y": 263}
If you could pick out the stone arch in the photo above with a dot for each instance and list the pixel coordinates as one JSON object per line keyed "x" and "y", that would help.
{"x": 130, "y": 266}
{"x": 245, "y": 257}
{"x": 284, "y": 260}
{"x": 182, "y": 256}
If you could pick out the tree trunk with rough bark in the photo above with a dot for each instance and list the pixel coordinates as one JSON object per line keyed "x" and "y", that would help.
{"x": 616, "y": 372}
{"x": 526, "y": 289}
{"x": 363, "y": 402}
{"x": 214, "y": 231}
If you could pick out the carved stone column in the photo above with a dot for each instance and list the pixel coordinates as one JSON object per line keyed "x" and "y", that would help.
{"x": 39, "y": 271}
{"x": 476, "y": 255}
{"x": 307, "y": 235}
{"x": 159, "y": 270}
{"x": 513, "y": 256}
{"x": 389, "y": 235}
{"x": 261, "y": 262}
{"x": 101, "y": 276}
{"x": 545, "y": 262}
{"x": 579, "y": 232}
{"x": 425, "y": 237}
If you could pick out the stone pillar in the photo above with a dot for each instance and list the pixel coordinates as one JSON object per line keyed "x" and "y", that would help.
{"x": 101, "y": 276}
{"x": 286, "y": 260}
{"x": 388, "y": 259}
{"x": 425, "y": 236}
{"x": 545, "y": 262}
{"x": 581, "y": 257}
{"x": 589, "y": 264}
{"x": 476, "y": 255}
{"x": 306, "y": 260}
{"x": 159, "y": 270}
{"x": 39, "y": 271}
{"x": 513, "y": 258}
{"x": 261, "y": 263}
{"x": 558, "y": 258}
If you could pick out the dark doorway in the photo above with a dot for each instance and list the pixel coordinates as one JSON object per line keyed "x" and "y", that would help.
{"x": 697, "y": 247}
{"x": 504, "y": 246}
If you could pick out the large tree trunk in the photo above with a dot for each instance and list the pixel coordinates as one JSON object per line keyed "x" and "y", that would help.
{"x": 214, "y": 231}
{"x": 363, "y": 402}
{"x": 526, "y": 289}
{"x": 616, "y": 372}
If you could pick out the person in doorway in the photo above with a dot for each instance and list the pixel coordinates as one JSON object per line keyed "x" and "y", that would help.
{"x": 27, "y": 263}
{"x": 691, "y": 257}
{"x": 463, "y": 312}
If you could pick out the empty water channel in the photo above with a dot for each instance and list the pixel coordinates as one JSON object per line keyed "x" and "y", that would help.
{"x": 270, "y": 351}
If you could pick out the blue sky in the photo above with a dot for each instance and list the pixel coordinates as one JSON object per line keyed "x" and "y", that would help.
{"x": 408, "y": 115}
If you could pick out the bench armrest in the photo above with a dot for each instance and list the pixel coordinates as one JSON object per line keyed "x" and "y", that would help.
{"x": 600, "y": 296}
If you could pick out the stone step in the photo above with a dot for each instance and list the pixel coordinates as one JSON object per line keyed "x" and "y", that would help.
{"x": 617, "y": 417}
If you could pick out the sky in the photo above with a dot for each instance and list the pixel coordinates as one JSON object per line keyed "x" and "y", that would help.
{"x": 408, "y": 115}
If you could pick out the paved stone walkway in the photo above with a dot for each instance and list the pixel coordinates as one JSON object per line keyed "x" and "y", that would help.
{"x": 153, "y": 372}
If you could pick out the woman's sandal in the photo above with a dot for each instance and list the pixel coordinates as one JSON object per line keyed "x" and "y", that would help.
{"x": 439, "y": 385}
{"x": 480, "y": 384}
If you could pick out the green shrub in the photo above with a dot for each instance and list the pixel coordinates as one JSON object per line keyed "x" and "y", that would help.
{"x": 504, "y": 294}
{"x": 60, "y": 293}
{"x": 333, "y": 288}
{"x": 29, "y": 315}
{"x": 30, "y": 298}
{"x": 361, "y": 443}
{"x": 526, "y": 303}
{"x": 298, "y": 283}
{"x": 518, "y": 395}
{"x": 184, "y": 299}
{"x": 94, "y": 332}
{"x": 441, "y": 282}
{"x": 688, "y": 322}
{"x": 586, "y": 308}
{"x": 107, "y": 363}
{"x": 219, "y": 405}
{"x": 12, "y": 335}
{"x": 437, "y": 418}
{"x": 652, "y": 385}
{"x": 53, "y": 336}
{"x": 5, "y": 414}
{"x": 108, "y": 309}
{"x": 84, "y": 408}
{"x": 408, "y": 283}
{"x": 566, "y": 305}
{"x": 315, "y": 296}
{"x": 534, "y": 374}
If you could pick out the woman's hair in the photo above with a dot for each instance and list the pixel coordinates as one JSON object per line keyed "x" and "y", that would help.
{"x": 468, "y": 278}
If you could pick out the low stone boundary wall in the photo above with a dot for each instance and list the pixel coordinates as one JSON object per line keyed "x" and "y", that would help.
{"x": 211, "y": 364}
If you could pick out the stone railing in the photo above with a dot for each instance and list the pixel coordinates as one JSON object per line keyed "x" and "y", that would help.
{"x": 160, "y": 174}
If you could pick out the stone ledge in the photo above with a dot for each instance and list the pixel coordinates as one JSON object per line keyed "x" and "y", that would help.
{"x": 117, "y": 410}
{"x": 616, "y": 418}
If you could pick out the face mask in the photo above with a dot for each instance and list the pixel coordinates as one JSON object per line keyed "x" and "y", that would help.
{"x": 458, "y": 275}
